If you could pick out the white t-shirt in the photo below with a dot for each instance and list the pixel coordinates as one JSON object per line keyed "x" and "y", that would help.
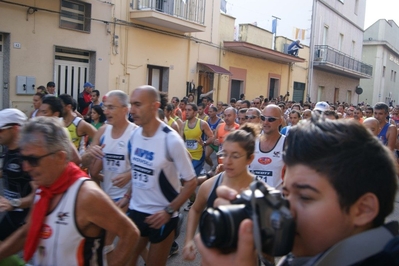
{"x": 157, "y": 169}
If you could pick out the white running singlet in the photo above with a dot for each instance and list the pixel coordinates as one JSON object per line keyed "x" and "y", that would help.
{"x": 267, "y": 166}
{"x": 61, "y": 242}
{"x": 116, "y": 160}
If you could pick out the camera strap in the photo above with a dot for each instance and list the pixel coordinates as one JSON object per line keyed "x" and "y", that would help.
{"x": 355, "y": 248}
{"x": 256, "y": 229}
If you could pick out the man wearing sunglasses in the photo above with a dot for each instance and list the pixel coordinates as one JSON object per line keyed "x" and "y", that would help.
{"x": 253, "y": 115}
{"x": 268, "y": 162}
{"x": 18, "y": 191}
{"x": 70, "y": 214}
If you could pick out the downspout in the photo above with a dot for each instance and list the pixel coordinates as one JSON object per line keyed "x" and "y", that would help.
{"x": 125, "y": 59}
{"x": 311, "y": 44}
{"x": 188, "y": 61}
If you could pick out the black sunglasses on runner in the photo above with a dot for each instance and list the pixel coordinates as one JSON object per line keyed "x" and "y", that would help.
{"x": 270, "y": 119}
{"x": 34, "y": 160}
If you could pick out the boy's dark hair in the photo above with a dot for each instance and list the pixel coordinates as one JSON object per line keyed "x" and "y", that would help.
{"x": 351, "y": 158}
{"x": 233, "y": 100}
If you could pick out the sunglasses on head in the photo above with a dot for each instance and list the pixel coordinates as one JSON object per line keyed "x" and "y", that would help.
{"x": 34, "y": 160}
{"x": 268, "y": 118}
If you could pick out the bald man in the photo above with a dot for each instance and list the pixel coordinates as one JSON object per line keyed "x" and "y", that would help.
{"x": 268, "y": 162}
{"x": 159, "y": 160}
{"x": 372, "y": 124}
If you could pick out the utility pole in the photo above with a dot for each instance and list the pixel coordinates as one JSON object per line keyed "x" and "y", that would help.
{"x": 274, "y": 30}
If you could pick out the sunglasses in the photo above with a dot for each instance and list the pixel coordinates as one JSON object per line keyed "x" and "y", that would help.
{"x": 4, "y": 128}
{"x": 251, "y": 116}
{"x": 35, "y": 160}
{"x": 269, "y": 119}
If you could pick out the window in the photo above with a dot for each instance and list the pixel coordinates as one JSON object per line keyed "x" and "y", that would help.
{"x": 391, "y": 75}
{"x": 75, "y": 15}
{"x": 353, "y": 48}
{"x": 340, "y": 41}
{"x": 394, "y": 76}
{"x": 383, "y": 71}
{"x": 325, "y": 35}
{"x": 158, "y": 77}
{"x": 356, "y": 6}
{"x": 321, "y": 94}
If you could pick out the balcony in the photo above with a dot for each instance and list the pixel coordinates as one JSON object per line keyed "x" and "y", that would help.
{"x": 331, "y": 60}
{"x": 182, "y": 16}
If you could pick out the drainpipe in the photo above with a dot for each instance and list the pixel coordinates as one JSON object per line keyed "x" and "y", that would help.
{"x": 311, "y": 45}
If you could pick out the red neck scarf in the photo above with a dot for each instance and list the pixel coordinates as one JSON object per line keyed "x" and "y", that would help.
{"x": 40, "y": 209}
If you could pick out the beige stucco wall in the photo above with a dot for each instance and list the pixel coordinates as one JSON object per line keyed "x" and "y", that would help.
{"x": 299, "y": 71}
{"x": 255, "y": 35}
{"x": 257, "y": 75}
{"x": 39, "y": 33}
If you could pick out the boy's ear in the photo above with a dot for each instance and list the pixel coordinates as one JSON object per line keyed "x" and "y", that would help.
{"x": 365, "y": 209}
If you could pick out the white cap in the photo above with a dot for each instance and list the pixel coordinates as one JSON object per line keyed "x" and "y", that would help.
{"x": 322, "y": 106}
{"x": 12, "y": 116}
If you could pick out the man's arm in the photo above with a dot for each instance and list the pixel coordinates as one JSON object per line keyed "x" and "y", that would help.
{"x": 208, "y": 132}
{"x": 15, "y": 242}
{"x": 391, "y": 136}
{"x": 95, "y": 207}
{"x": 26, "y": 201}
{"x": 85, "y": 128}
{"x": 94, "y": 150}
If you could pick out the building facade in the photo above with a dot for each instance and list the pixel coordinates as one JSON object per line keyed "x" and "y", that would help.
{"x": 177, "y": 46}
{"x": 64, "y": 41}
{"x": 336, "y": 51}
{"x": 381, "y": 49}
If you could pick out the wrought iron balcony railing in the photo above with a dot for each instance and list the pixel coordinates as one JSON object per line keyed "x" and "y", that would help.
{"x": 190, "y": 10}
{"x": 324, "y": 54}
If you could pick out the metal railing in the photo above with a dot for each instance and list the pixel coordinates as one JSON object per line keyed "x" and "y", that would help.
{"x": 190, "y": 10}
{"x": 327, "y": 54}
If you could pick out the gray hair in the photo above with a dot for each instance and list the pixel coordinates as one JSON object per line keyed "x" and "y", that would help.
{"x": 121, "y": 95}
{"x": 258, "y": 112}
{"x": 48, "y": 132}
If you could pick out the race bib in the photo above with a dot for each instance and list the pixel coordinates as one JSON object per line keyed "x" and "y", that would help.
{"x": 142, "y": 177}
{"x": 262, "y": 174}
{"x": 191, "y": 144}
{"x": 114, "y": 163}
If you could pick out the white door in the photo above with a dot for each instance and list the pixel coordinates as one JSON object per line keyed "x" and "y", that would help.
{"x": 70, "y": 77}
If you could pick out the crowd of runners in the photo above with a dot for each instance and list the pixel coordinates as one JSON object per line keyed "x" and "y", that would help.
{"x": 109, "y": 179}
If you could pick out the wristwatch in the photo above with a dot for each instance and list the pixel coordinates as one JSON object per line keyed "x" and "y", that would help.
{"x": 169, "y": 210}
{"x": 15, "y": 203}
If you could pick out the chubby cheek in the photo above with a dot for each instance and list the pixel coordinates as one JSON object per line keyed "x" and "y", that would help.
{"x": 318, "y": 230}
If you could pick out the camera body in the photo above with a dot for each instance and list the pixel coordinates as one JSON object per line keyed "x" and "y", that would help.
{"x": 274, "y": 226}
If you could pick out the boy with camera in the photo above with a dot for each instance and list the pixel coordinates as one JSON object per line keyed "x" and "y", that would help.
{"x": 341, "y": 183}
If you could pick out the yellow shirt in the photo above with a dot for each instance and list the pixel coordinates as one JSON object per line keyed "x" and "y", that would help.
{"x": 191, "y": 136}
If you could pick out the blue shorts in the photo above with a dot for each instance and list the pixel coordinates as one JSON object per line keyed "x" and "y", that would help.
{"x": 154, "y": 235}
{"x": 198, "y": 165}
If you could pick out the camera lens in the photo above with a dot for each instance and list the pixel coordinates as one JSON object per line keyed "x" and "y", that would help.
{"x": 219, "y": 227}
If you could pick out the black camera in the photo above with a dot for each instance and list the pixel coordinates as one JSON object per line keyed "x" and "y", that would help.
{"x": 274, "y": 226}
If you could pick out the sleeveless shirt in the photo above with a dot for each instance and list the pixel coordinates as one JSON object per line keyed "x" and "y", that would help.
{"x": 61, "y": 242}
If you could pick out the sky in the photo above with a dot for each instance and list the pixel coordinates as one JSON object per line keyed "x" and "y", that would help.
{"x": 297, "y": 14}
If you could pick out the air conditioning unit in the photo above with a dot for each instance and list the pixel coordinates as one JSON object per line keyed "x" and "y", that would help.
{"x": 319, "y": 54}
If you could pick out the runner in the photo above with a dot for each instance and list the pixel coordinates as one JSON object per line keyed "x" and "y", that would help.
{"x": 159, "y": 160}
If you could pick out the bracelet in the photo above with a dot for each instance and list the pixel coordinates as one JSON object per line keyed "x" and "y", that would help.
{"x": 108, "y": 249}
{"x": 127, "y": 196}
